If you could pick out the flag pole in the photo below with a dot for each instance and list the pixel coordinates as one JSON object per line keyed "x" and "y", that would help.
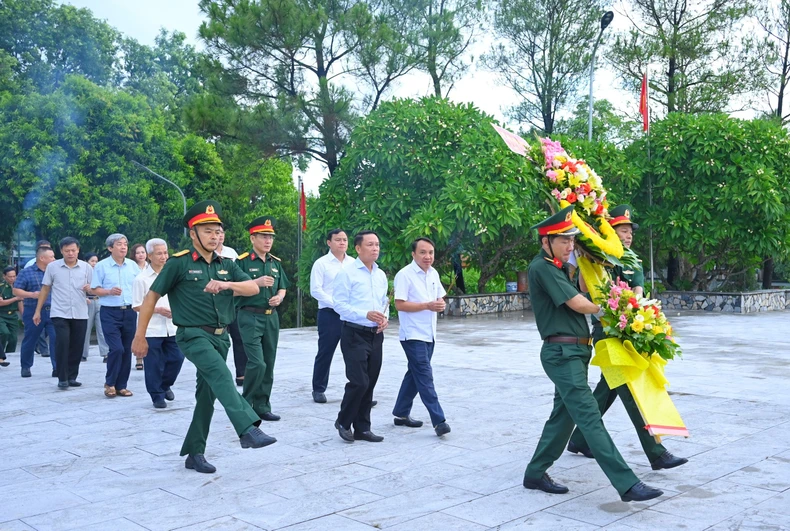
{"x": 649, "y": 182}
{"x": 299, "y": 254}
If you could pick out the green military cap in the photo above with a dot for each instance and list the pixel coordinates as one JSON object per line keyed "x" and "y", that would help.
{"x": 203, "y": 212}
{"x": 621, "y": 215}
{"x": 559, "y": 224}
{"x": 262, "y": 224}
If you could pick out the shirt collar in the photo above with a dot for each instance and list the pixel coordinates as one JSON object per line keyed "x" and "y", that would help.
{"x": 359, "y": 264}
{"x": 333, "y": 257}
{"x": 149, "y": 271}
{"x": 196, "y": 255}
{"x": 417, "y": 269}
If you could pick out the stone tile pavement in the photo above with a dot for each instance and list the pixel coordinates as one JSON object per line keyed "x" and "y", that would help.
{"x": 76, "y": 460}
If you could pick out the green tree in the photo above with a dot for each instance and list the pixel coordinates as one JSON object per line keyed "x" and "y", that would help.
{"x": 431, "y": 168}
{"x": 719, "y": 193}
{"x": 50, "y": 41}
{"x": 545, "y": 50}
{"x": 66, "y": 162}
{"x": 702, "y": 58}
{"x": 608, "y": 125}
{"x": 284, "y": 71}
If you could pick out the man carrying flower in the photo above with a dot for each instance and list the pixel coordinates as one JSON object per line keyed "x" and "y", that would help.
{"x": 559, "y": 315}
{"x": 658, "y": 456}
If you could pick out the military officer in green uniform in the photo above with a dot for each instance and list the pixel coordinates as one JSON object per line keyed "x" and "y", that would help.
{"x": 258, "y": 320}
{"x": 10, "y": 306}
{"x": 658, "y": 456}
{"x": 201, "y": 286}
{"x": 559, "y": 315}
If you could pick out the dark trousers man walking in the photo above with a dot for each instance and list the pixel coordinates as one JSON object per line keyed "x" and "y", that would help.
{"x": 69, "y": 340}
{"x": 119, "y": 325}
{"x": 362, "y": 349}
{"x": 162, "y": 366}
{"x": 328, "y": 338}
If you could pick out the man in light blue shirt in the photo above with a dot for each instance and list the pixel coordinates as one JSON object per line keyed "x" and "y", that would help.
{"x": 113, "y": 278}
{"x": 360, "y": 298}
{"x": 418, "y": 299}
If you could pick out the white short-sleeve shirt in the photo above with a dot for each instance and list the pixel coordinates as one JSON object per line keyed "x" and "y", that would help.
{"x": 412, "y": 284}
{"x": 159, "y": 325}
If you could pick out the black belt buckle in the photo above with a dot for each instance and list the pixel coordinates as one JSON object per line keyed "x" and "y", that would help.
{"x": 213, "y": 330}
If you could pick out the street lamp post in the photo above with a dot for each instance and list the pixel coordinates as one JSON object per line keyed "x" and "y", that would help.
{"x": 180, "y": 191}
{"x": 606, "y": 19}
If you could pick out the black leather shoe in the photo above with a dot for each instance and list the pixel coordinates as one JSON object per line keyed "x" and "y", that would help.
{"x": 63, "y": 385}
{"x": 104, "y": 359}
{"x": 170, "y": 395}
{"x": 198, "y": 463}
{"x": 586, "y": 452}
{"x": 641, "y": 492}
{"x": 4, "y": 363}
{"x": 408, "y": 421}
{"x": 667, "y": 460}
{"x": 75, "y": 383}
{"x": 442, "y": 429}
{"x": 269, "y": 416}
{"x": 84, "y": 358}
{"x": 54, "y": 374}
{"x": 255, "y": 438}
{"x": 45, "y": 355}
{"x": 25, "y": 373}
{"x": 546, "y": 484}
{"x": 367, "y": 436}
{"x": 373, "y": 403}
{"x": 345, "y": 434}
{"x": 240, "y": 382}
{"x": 160, "y": 404}
{"x": 319, "y": 398}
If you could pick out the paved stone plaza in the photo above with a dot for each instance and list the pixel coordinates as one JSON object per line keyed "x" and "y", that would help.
{"x": 76, "y": 460}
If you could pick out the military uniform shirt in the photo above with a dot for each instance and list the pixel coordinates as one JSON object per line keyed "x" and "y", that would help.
{"x": 550, "y": 288}
{"x": 253, "y": 265}
{"x": 634, "y": 278}
{"x": 7, "y": 292}
{"x": 183, "y": 279}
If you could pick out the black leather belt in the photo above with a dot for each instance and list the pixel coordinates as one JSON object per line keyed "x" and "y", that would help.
{"x": 213, "y": 331}
{"x": 569, "y": 340}
{"x": 355, "y": 326}
{"x": 126, "y": 307}
{"x": 254, "y": 309}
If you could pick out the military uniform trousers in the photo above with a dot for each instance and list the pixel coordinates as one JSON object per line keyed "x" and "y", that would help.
{"x": 9, "y": 325}
{"x": 605, "y": 396}
{"x": 566, "y": 366}
{"x": 209, "y": 353}
{"x": 260, "y": 333}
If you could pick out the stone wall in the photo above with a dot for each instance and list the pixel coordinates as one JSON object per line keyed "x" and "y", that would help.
{"x": 487, "y": 303}
{"x": 746, "y": 302}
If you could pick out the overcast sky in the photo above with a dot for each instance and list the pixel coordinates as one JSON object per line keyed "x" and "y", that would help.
{"x": 142, "y": 20}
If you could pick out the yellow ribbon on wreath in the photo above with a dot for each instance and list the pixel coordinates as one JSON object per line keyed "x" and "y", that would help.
{"x": 621, "y": 364}
{"x": 607, "y": 240}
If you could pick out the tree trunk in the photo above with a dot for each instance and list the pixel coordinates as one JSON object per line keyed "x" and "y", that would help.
{"x": 768, "y": 272}
{"x": 673, "y": 269}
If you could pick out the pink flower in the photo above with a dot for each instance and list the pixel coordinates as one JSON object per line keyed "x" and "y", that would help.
{"x": 552, "y": 175}
{"x": 616, "y": 291}
{"x": 613, "y": 303}
{"x": 623, "y": 321}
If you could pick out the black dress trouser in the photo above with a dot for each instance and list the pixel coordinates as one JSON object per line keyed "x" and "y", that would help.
{"x": 362, "y": 355}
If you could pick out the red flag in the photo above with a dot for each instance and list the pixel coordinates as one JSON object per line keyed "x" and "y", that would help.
{"x": 303, "y": 209}
{"x": 644, "y": 109}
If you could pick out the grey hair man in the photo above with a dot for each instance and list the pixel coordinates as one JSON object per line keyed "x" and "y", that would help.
{"x": 112, "y": 282}
{"x": 164, "y": 358}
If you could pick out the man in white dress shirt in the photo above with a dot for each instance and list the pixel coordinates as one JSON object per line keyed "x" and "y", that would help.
{"x": 418, "y": 298}
{"x": 164, "y": 359}
{"x": 322, "y": 279}
{"x": 360, "y": 298}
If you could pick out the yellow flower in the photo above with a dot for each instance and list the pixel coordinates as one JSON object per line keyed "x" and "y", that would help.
{"x": 648, "y": 315}
{"x": 657, "y": 329}
{"x": 627, "y": 293}
{"x": 637, "y": 326}
{"x": 560, "y": 176}
{"x": 574, "y": 180}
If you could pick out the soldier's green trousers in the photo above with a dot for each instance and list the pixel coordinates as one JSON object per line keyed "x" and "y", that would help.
{"x": 605, "y": 396}
{"x": 8, "y": 331}
{"x": 259, "y": 333}
{"x": 566, "y": 366}
{"x": 214, "y": 382}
